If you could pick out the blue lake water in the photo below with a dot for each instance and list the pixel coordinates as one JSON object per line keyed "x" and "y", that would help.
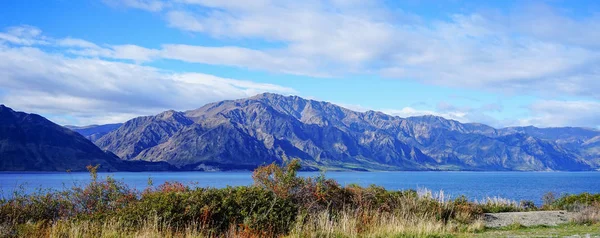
{"x": 475, "y": 185}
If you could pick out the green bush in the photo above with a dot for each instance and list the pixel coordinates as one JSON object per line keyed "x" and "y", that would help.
{"x": 216, "y": 210}
{"x": 576, "y": 202}
{"x": 33, "y": 208}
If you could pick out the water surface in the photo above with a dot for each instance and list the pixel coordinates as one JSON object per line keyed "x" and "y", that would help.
{"x": 475, "y": 185}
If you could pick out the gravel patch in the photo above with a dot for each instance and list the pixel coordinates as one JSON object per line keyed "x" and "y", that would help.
{"x": 547, "y": 218}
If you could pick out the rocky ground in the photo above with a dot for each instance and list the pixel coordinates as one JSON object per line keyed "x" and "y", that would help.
{"x": 547, "y": 218}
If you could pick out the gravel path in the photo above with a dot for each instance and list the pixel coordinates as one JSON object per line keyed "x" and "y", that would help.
{"x": 548, "y": 218}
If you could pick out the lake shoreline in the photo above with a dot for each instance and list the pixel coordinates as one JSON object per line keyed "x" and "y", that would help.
{"x": 479, "y": 185}
{"x": 277, "y": 202}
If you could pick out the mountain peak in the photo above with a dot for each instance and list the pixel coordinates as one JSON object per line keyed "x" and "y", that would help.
{"x": 174, "y": 116}
{"x": 272, "y": 96}
{"x": 262, "y": 129}
{"x": 254, "y": 130}
{"x": 168, "y": 113}
{"x": 430, "y": 117}
{"x": 6, "y": 113}
{"x": 3, "y": 107}
{"x": 266, "y": 94}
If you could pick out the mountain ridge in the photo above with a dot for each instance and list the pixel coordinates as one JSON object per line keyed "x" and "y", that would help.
{"x": 30, "y": 142}
{"x": 324, "y": 135}
{"x": 272, "y": 128}
{"x": 94, "y": 132}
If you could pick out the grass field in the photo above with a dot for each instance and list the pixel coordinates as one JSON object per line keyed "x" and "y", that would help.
{"x": 577, "y": 230}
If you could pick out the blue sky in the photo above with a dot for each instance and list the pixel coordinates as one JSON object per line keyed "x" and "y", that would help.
{"x": 503, "y": 63}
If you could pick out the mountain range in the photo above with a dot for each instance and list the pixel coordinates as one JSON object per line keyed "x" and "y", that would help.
{"x": 94, "y": 132}
{"x": 267, "y": 128}
{"x": 30, "y": 142}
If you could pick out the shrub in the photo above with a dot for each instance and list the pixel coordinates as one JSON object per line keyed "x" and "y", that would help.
{"x": 99, "y": 199}
{"x": 318, "y": 194}
{"x": 33, "y": 208}
{"x": 527, "y": 205}
{"x": 588, "y": 215}
{"x": 548, "y": 200}
{"x": 576, "y": 202}
{"x": 216, "y": 210}
{"x": 281, "y": 181}
{"x": 495, "y": 204}
{"x": 465, "y": 211}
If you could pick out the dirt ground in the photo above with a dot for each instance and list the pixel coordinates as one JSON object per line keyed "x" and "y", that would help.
{"x": 548, "y": 218}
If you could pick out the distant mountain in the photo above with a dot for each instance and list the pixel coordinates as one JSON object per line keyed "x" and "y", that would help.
{"x": 94, "y": 132}
{"x": 245, "y": 133}
{"x": 29, "y": 142}
{"x": 176, "y": 139}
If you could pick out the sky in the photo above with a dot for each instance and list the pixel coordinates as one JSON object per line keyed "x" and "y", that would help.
{"x": 502, "y": 63}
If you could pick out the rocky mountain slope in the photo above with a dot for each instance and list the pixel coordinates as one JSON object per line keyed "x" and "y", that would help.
{"x": 29, "y": 142}
{"x": 245, "y": 133}
{"x": 94, "y": 132}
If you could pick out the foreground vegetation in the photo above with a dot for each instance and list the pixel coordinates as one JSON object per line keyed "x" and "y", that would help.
{"x": 278, "y": 204}
{"x": 582, "y": 230}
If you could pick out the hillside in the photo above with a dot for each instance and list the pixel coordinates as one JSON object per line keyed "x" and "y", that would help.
{"x": 94, "y": 132}
{"x": 245, "y": 133}
{"x": 29, "y": 142}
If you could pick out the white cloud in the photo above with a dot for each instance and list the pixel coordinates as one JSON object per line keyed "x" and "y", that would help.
{"x": 546, "y": 23}
{"x": 353, "y": 107}
{"x": 534, "y": 49}
{"x": 235, "y": 56}
{"x": 93, "y": 90}
{"x": 409, "y": 112}
{"x": 225, "y": 55}
{"x": 148, "y": 5}
{"x": 501, "y": 53}
{"x": 23, "y": 35}
{"x": 133, "y": 52}
{"x": 458, "y": 115}
{"x": 338, "y": 33}
{"x": 464, "y": 114}
{"x": 556, "y": 113}
{"x": 77, "y": 43}
{"x": 184, "y": 21}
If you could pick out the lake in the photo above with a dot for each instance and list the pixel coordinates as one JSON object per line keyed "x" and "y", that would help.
{"x": 475, "y": 185}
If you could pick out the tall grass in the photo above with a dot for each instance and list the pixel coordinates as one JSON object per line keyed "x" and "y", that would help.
{"x": 497, "y": 204}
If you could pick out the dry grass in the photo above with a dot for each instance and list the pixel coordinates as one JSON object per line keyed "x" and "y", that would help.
{"x": 110, "y": 229}
{"x": 348, "y": 224}
{"x": 498, "y": 201}
{"x": 402, "y": 222}
{"x": 407, "y": 220}
{"x": 497, "y": 204}
{"x": 441, "y": 197}
{"x": 587, "y": 215}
